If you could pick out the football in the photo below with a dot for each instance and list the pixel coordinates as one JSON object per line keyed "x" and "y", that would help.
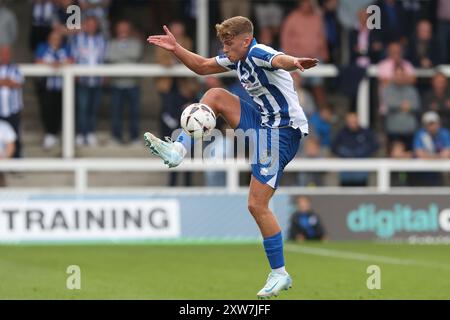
{"x": 198, "y": 120}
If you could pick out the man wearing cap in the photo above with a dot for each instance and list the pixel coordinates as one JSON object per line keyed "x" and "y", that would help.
{"x": 431, "y": 142}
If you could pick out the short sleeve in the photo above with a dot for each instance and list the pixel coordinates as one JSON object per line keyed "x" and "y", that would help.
{"x": 223, "y": 61}
{"x": 417, "y": 143}
{"x": 263, "y": 55}
{"x": 40, "y": 51}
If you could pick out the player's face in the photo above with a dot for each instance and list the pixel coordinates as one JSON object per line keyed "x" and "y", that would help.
{"x": 236, "y": 48}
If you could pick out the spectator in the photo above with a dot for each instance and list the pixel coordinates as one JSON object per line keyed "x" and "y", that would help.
{"x": 269, "y": 17}
{"x": 305, "y": 223}
{"x": 43, "y": 12}
{"x": 431, "y": 142}
{"x": 311, "y": 150}
{"x": 125, "y": 49}
{"x": 347, "y": 13}
{"x": 443, "y": 26}
{"x": 222, "y": 148}
{"x": 98, "y": 9}
{"x": 54, "y": 54}
{"x": 296, "y": 42}
{"x": 7, "y": 145}
{"x": 363, "y": 48}
{"x": 423, "y": 50}
{"x": 8, "y": 26}
{"x": 166, "y": 86}
{"x": 88, "y": 48}
{"x": 398, "y": 150}
{"x": 392, "y": 22}
{"x": 321, "y": 123}
{"x": 231, "y": 8}
{"x": 438, "y": 98}
{"x": 387, "y": 71}
{"x": 332, "y": 29}
{"x": 11, "y": 82}
{"x": 305, "y": 98}
{"x": 354, "y": 142}
{"x": 403, "y": 104}
{"x": 61, "y": 17}
{"x": 183, "y": 96}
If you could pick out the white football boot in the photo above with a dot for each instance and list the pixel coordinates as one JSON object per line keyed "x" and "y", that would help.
{"x": 276, "y": 282}
{"x": 168, "y": 151}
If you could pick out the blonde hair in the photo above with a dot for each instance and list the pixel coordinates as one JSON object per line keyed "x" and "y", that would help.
{"x": 232, "y": 27}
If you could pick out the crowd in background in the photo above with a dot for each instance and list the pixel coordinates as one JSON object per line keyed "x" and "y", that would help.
{"x": 412, "y": 114}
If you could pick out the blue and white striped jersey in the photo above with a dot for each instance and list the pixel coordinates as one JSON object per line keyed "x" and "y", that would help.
{"x": 10, "y": 98}
{"x": 48, "y": 55}
{"x": 88, "y": 50}
{"x": 271, "y": 89}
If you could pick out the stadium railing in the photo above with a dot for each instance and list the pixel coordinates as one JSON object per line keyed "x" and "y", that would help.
{"x": 233, "y": 167}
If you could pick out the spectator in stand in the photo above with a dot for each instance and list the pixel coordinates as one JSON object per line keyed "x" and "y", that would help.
{"x": 43, "y": 12}
{"x": 311, "y": 150}
{"x": 431, "y": 142}
{"x": 11, "y": 103}
{"x": 231, "y": 8}
{"x": 8, "y": 26}
{"x": 88, "y": 48}
{"x": 52, "y": 53}
{"x": 398, "y": 151}
{"x": 403, "y": 107}
{"x": 321, "y": 124}
{"x": 387, "y": 74}
{"x": 438, "y": 98}
{"x": 423, "y": 50}
{"x": 125, "y": 48}
{"x": 392, "y": 22}
{"x": 183, "y": 96}
{"x": 166, "y": 86}
{"x": 7, "y": 145}
{"x": 443, "y": 27}
{"x": 98, "y": 9}
{"x": 305, "y": 223}
{"x": 363, "y": 50}
{"x": 332, "y": 29}
{"x": 298, "y": 43}
{"x": 305, "y": 98}
{"x": 61, "y": 16}
{"x": 269, "y": 17}
{"x": 354, "y": 142}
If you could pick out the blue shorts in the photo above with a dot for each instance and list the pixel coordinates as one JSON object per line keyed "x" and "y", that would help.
{"x": 272, "y": 150}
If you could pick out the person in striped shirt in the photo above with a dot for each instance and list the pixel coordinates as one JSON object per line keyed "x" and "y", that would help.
{"x": 11, "y": 103}
{"x": 88, "y": 48}
{"x": 277, "y": 122}
{"x": 54, "y": 54}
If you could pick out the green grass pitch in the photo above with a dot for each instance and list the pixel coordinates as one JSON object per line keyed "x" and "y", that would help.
{"x": 332, "y": 270}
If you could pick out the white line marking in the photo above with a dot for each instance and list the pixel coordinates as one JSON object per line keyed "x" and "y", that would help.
{"x": 362, "y": 257}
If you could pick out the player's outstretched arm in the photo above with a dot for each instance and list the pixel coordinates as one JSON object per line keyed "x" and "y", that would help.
{"x": 289, "y": 63}
{"x": 193, "y": 61}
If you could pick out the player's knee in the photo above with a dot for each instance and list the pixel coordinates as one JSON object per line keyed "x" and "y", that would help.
{"x": 213, "y": 96}
{"x": 256, "y": 207}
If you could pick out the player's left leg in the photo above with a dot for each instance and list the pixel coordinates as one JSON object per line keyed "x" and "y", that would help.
{"x": 258, "y": 205}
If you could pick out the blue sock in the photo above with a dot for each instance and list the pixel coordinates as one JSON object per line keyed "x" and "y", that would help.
{"x": 274, "y": 250}
{"x": 185, "y": 139}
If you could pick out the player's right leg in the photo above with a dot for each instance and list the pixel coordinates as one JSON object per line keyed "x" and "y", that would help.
{"x": 172, "y": 153}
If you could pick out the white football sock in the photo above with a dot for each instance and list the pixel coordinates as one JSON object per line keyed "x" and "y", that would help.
{"x": 281, "y": 270}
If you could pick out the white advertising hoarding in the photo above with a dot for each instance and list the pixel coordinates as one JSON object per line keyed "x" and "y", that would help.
{"x": 89, "y": 220}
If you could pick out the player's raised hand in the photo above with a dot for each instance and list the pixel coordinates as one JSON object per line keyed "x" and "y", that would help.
{"x": 166, "y": 41}
{"x": 305, "y": 63}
